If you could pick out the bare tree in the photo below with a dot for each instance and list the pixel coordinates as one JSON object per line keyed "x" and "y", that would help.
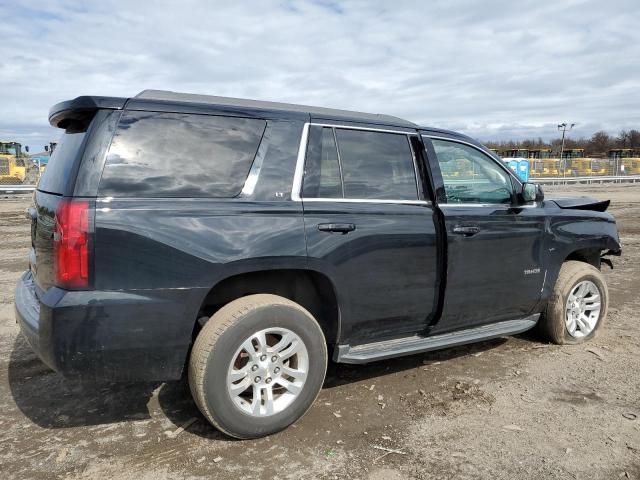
{"x": 600, "y": 143}
{"x": 623, "y": 139}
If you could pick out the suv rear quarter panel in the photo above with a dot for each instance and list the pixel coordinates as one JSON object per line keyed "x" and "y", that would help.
{"x": 156, "y": 259}
{"x": 191, "y": 243}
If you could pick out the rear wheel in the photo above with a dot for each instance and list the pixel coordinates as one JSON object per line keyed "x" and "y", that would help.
{"x": 578, "y": 305}
{"x": 257, "y": 365}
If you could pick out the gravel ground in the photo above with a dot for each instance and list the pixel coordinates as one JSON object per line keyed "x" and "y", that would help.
{"x": 507, "y": 408}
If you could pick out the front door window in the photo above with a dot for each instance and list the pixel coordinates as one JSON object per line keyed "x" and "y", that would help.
{"x": 470, "y": 176}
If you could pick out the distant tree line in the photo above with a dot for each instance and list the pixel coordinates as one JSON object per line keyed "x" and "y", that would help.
{"x": 597, "y": 146}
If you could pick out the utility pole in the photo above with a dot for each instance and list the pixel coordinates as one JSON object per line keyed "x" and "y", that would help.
{"x": 564, "y": 127}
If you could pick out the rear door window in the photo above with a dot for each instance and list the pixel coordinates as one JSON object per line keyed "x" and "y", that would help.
{"x": 364, "y": 165}
{"x": 376, "y": 165}
{"x": 322, "y": 177}
{"x": 180, "y": 155}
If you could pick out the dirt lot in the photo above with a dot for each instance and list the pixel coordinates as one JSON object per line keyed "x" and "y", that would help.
{"x": 508, "y": 408}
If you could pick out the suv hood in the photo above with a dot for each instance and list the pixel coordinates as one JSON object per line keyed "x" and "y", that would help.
{"x": 581, "y": 203}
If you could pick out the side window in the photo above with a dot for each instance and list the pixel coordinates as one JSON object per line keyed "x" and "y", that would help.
{"x": 180, "y": 155}
{"x": 470, "y": 176}
{"x": 322, "y": 170}
{"x": 365, "y": 165}
{"x": 376, "y": 165}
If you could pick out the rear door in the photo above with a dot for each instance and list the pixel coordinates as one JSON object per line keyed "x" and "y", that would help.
{"x": 494, "y": 268}
{"x": 371, "y": 229}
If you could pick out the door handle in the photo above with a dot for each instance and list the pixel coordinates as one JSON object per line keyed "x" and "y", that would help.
{"x": 343, "y": 228}
{"x": 466, "y": 230}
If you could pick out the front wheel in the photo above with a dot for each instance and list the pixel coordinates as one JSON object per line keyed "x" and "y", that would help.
{"x": 257, "y": 365}
{"x": 578, "y": 305}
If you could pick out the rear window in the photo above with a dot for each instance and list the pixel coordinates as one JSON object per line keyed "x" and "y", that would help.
{"x": 56, "y": 175}
{"x": 180, "y": 155}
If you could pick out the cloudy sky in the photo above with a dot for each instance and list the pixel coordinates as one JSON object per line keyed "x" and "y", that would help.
{"x": 492, "y": 69}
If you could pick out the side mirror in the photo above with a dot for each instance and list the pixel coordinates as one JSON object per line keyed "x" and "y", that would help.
{"x": 532, "y": 192}
{"x": 46, "y": 148}
{"x": 26, "y": 148}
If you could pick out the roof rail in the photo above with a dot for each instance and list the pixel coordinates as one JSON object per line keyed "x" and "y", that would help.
{"x": 166, "y": 95}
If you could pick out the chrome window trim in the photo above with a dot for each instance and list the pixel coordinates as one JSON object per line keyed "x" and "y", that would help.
{"x": 368, "y": 200}
{"x": 299, "y": 171}
{"x": 368, "y": 129}
{"x": 256, "y": 167}
{"x": 298, "y": 175}
{"x": 475, "y": 205}
{"x": 504, "y": 205}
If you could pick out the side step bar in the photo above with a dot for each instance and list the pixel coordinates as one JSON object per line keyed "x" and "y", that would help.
{"x": 370, "y": 352}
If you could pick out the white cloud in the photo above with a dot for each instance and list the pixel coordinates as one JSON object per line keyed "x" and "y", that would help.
{"x": 493, "y": 69}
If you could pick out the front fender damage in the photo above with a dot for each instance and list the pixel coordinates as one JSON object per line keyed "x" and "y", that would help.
{"x": 581, "y": 203}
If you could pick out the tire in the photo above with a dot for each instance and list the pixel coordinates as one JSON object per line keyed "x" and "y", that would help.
{"x": 220, "y": 350}
{"x": 554, "y": 324}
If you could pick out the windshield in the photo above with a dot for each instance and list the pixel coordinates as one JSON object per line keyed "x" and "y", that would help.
{"x": 10, "y": 148}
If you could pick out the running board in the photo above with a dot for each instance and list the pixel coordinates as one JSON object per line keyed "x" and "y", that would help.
{"x": 370, "y": 352}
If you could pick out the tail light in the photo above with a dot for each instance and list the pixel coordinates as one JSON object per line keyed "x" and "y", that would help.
{"x": 71, "y": 244}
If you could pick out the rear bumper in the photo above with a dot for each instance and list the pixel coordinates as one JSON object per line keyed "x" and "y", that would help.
{"x": 107, "y": 335}
{"x": 28, "y": 313}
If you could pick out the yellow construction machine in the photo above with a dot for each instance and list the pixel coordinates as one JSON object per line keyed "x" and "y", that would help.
{"x": 13, "y": 163}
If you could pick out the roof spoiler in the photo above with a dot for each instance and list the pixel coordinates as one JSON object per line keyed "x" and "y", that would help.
{"x": 82, "y": 109}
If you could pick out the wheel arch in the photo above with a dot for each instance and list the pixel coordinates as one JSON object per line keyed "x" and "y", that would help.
{"x": 587, "y": 251}
{"x": 590, "y": 255}
{"x": 311, "y": 289}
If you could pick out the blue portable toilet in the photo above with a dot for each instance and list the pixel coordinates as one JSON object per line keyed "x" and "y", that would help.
{"x": 513, "y": 165}
{"x": 523, "y": 170}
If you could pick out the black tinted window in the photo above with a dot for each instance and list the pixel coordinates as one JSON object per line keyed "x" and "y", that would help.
{"x": 180, "y": 155}
{"x": 376, "y": 165}
{"x": 322, "y": 170}
{"x": 56, "y": 175}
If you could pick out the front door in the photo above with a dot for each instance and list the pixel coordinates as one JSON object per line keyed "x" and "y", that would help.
{"x": 494, "y": 268}
{"x": 370, "y": 229}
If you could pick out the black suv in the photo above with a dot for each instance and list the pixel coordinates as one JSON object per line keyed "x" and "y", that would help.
{"x": 247, "y": 241}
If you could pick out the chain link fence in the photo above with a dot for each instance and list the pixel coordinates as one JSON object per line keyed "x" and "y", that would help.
{"x": 584, "y": 170}
{"x": 583, "y": 167}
